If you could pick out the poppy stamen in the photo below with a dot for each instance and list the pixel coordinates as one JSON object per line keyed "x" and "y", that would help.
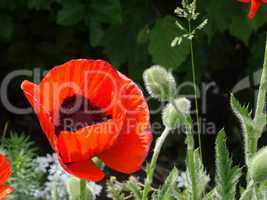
{"x": 77, "y": 112}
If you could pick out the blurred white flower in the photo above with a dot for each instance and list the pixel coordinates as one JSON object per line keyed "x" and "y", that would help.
{"x": 56, "y": 177}
{"x": 94, "y": 188}
{"x": 181, "y": 180}
{"x": 42, "y": 163}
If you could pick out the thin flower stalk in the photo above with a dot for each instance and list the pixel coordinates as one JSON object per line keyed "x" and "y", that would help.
{"x": 152, "y": 165}
{"x": 261, "y": 101}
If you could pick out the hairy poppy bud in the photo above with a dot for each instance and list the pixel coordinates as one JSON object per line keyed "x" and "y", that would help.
{"x": 258, "y": 168}
{"x": 171, "y": 118}
{"x": 159, "y": 83}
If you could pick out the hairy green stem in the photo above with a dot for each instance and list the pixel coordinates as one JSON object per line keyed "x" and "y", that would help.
{"x": 251, "y": 148}
{"x": 82, "y": 189}
{"x": 190, "y": 157}
{"x": 152, "y": 165}
{"x": 261, "y": 100}
{"x": 195, "y": 89}
{"x": 247, "y": 194}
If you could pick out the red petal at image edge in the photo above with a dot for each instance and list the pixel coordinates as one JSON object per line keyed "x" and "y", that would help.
{"x": 5, "y": 191}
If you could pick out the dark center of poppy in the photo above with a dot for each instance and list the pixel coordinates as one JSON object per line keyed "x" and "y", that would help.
{"x": 77, "y": 112}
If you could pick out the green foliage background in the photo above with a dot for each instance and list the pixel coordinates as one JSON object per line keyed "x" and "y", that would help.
{"x": 133, "y": 35}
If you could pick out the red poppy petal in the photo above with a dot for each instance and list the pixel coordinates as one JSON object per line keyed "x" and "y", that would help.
{"x": 5, "y": 191}
{"x": 32, "y": 93}
{"x": 131, "y": 148}
{"x": 5, "y": 169}
{"x": 128, "y": 153}
{"x": 84, "y": 170}
{"x": 92, "y": 79}
{"x": 86, "y": 142}
{"x": 255, "y": 5}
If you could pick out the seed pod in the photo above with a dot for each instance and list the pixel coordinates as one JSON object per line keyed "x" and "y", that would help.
{"x": 171, "y": 118}
{"x": 258, "y": 167}
{"x": 159, "y": 83}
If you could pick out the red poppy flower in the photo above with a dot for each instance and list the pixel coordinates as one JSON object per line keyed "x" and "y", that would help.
{"x": 86, "y": 109}
{"x": 255, "y": 5}
{"x": 5, "y": 172}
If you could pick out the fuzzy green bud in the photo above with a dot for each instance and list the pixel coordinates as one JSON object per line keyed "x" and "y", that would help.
{"x": 171, "y": 118}
{"x": 159, "y": 83}
{"x": 258, "y": 166}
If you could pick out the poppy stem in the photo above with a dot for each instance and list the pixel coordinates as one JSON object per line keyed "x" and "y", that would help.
{"x": 83, "y": 189}
{"x": 152, "y": 165}
{"x": 260, "y": 114}
{"x": 191, "y": 157}
{"x": 248, "y": 192}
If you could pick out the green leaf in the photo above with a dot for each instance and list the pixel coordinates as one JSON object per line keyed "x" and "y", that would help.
{"x": 227, "y": 176}
{"x": 106, "y": 11}
{"x": 7, "y": 27}
{"x": 114, "y": 189}
{"x": 161, "y": 37}
{"x": 167, "y": 189}
{"x": 134, "y": 188}
{"x": 178, "y": 195}
{"x": 210, "y": 195}
{"x": 96, "y": 32}
{"x": 218, "y": 21}
{"x": 127, "y": 53}
{"x": 71, "y": 13}
{"x": 21, "y": 151}
{"x": 240, "y": 28}
{"x": 248, "y": 126}
{"x": 235, "y": 21}
{"x": 262, "y": 190}
{"x": 201, "y": 177}
{"x": 39, "y": 4}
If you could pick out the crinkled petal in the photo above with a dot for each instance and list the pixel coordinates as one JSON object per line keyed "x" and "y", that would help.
{"x": 87, "y": 142}
{"x": 33, "y": 95}
{"x": 132, "y": 146}
{"x": 5, "y": 169}
{"x": 95, "y": 80}
{"x": 84, "y": 170}
{"x": 92, "y": 79}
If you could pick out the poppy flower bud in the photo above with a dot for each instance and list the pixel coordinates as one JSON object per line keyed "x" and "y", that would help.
{"x": 171, "y": 118}
{"x": 258, "y": 167}
{"x": 159, "y": 83}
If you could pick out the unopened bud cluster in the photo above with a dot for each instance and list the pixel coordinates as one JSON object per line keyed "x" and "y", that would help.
{"x": 161, "y": 84}
{"x": 175, "y": 113}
